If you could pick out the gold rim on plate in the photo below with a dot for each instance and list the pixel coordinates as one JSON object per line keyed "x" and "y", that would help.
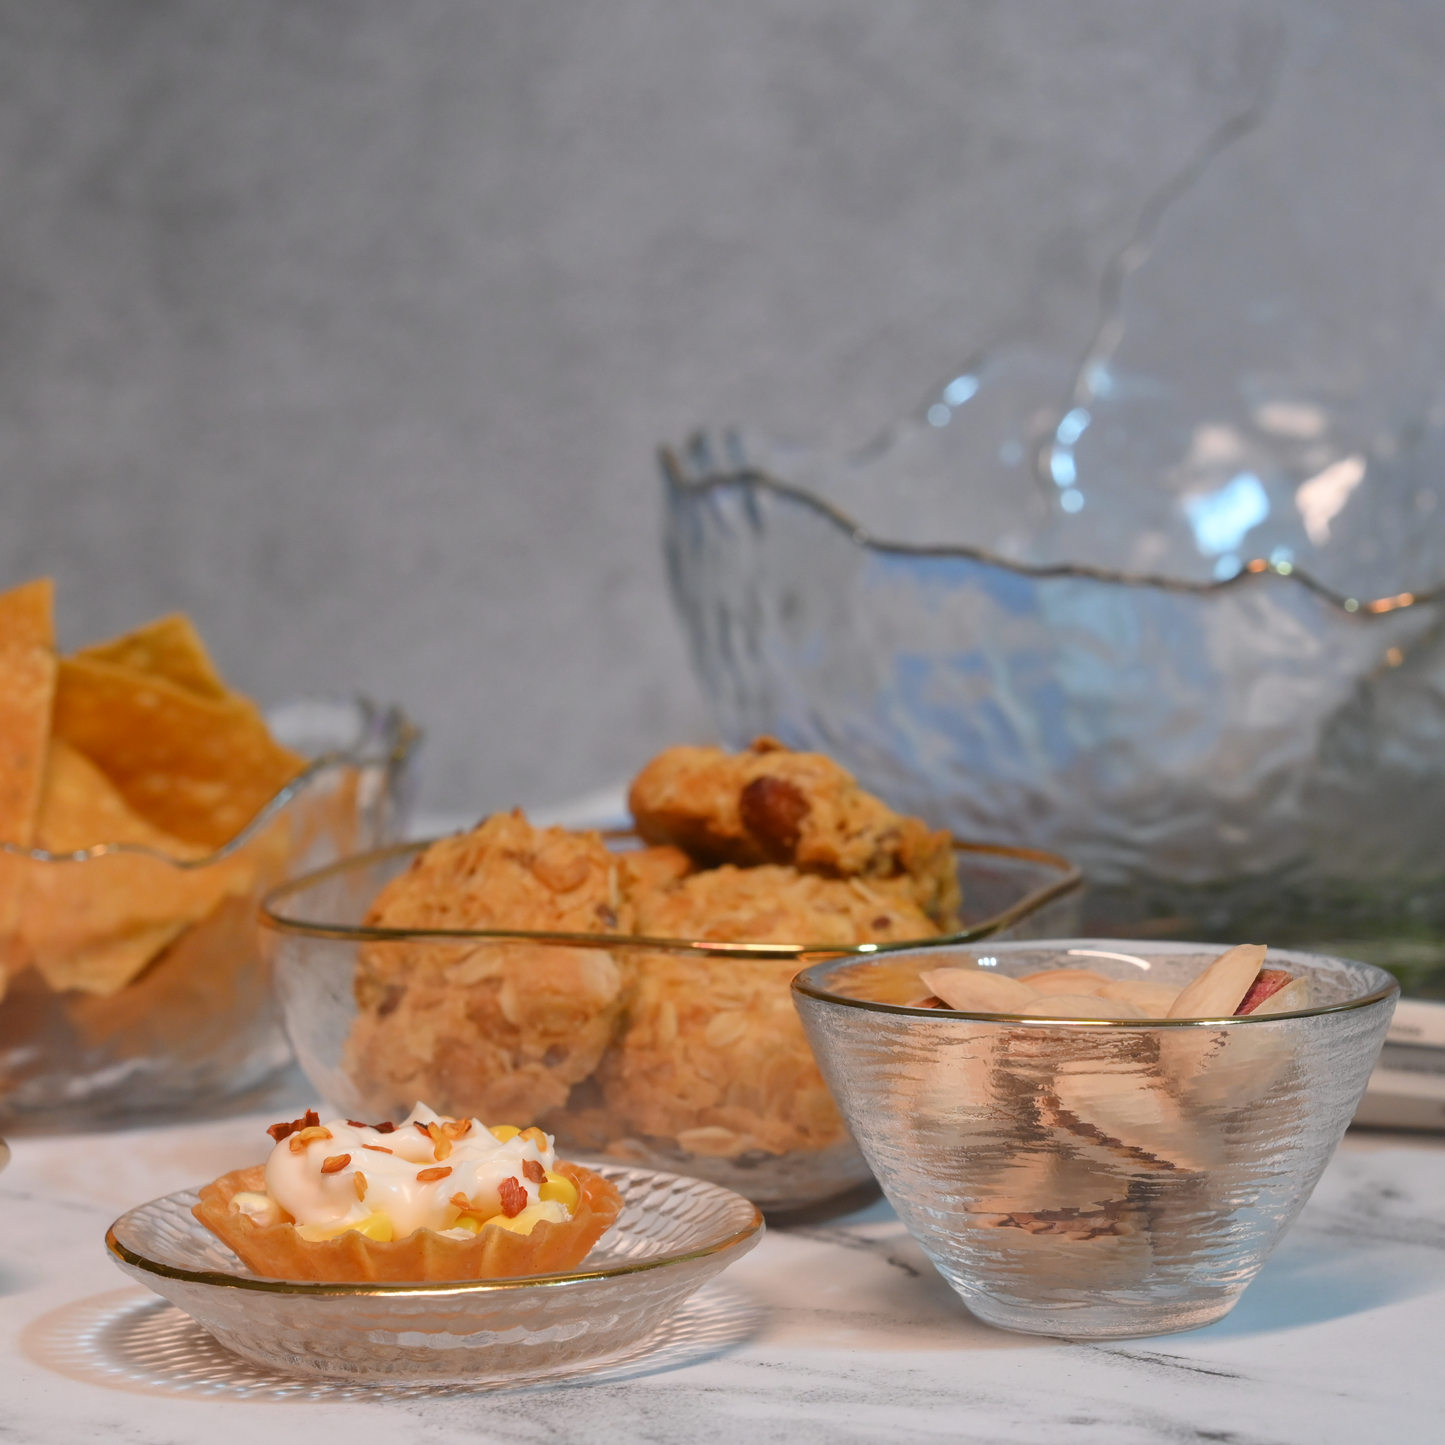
{"x": 443, "y": 1288}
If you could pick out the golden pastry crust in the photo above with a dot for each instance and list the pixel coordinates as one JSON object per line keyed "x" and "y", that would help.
{"x": 769, "y": 804}
{"x": 277, "y": 1251}
{"x": 774, "y": 904}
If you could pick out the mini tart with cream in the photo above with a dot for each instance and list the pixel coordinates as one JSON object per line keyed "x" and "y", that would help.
{"x": 431, "y": 1198}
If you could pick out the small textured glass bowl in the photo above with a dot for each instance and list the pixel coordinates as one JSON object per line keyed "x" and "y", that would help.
{"x": 672, "y": 1236}
{"x": 674, "y": 1054}
{"x": 1085, "y": 1178}
{"x": 198, "y": 1026}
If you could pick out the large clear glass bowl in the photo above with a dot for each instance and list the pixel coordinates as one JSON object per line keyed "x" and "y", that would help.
{"x": 198, "y": 1027}
{"x": 1086, "y": 1178}
{"x": 1161, "y": 588}
{"x": 1214, "y": 754}
{"x": 676, "y": 1054}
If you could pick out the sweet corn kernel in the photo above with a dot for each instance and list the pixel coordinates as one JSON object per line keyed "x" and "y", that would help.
{"x": 560, "y": 1188}
{"x": 532, "y": 1215}
{"x": 469, "y": 1222}
{"x": 375, "y": 1226}
{"x": 505, "y": 1131}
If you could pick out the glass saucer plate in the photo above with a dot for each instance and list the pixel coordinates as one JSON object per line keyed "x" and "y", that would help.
{"x": 673, "y": 1235}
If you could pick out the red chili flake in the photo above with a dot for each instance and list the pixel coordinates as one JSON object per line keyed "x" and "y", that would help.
{"x": 357, "y": 1124}
{"x": 309, "y": 1120}
{"x": 335, "y": 1163}
{"x": 384, "y": 1128}
{"x": 377, "y": 1149}
{"x": 427, "y": 1175}
{"x": 514, "y": 1197}
{"x": 1267, "y": 981}
{"x": 423, "y": 1129}
{"x": 534, "y": 1171}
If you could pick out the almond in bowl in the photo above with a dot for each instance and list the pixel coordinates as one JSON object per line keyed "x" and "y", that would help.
{"x": 1097, "y": 1138}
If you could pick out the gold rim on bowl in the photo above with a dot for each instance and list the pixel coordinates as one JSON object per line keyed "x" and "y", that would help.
{"x": 1070, "y": 879}
{"x": 805, "y": 986}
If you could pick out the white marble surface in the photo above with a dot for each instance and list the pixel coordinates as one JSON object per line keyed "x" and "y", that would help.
{"x": 841, "y": 1332}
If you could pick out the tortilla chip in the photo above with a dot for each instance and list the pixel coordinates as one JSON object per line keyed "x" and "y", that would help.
{"x": 80, "y": 808}
{"x": 27, "y": 615}
{"x": 94, "y": 925}
{"x": 27, "y": 688}
{"x": 105, "y": 966}
{"x": 169, "y": 647}
{"x": 197, "y": 767}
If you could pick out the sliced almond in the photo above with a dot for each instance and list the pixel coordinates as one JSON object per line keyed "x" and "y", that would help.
{"x": 301, "y": 1140}
{"x": 1083, "y": 1006}
{"x": 977, "y": 990}
{"x": 1217, "y": 992}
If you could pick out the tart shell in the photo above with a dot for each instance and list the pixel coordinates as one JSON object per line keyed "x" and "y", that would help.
{"x": 277, "y": 1251}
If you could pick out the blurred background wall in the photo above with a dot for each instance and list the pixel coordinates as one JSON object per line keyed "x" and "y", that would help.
{"x": 351, "y": 326}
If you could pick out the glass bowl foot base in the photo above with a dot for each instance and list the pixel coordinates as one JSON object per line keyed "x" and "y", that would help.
{"x": 1101, "y": 1320}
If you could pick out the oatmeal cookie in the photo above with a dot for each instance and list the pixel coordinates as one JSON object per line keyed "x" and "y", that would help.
{"x": 714, "y": 1056}
{"x": 498, "y": 1029}
{"x": 769, "y": 804}
{"x": 776, "y": 904}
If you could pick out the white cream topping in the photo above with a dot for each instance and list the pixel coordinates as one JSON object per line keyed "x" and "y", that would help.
{"x": 358, "y": 1171}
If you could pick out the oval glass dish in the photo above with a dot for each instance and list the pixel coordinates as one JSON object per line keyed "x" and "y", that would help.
{"x": 197, "y": 1025}
{"x": 677, "y": 1054}
{"x": 1089, "y": 1177}
{"x": 672, "y": 1236}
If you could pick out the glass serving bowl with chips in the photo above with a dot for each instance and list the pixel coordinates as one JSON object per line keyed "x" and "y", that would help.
{"x": 675, "y": 1054}
{"x": 132, "y": 985}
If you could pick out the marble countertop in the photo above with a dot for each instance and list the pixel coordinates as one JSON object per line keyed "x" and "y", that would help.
{"x": 836, "y": 1330}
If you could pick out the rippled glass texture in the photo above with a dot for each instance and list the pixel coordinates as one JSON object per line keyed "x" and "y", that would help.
{"x": 198, "y": 1026}
{"x": 1253, "y": 740}
{"x": 678, "y": 1055}
{"x": 672, "y": 1236}
{"x": 1096, "y": 1180}
{"x": 1262, "y": 384}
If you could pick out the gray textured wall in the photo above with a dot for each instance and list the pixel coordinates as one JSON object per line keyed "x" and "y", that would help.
{"x": 351, "y": 327}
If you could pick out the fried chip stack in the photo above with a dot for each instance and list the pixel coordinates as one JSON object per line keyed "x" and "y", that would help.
{"x": 136, "y": 741}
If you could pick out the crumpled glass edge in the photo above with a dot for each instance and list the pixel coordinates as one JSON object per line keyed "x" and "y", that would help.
{"x": 679, "y": 479}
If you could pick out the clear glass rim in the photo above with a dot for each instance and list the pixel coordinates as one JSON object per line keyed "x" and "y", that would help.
{"x": 1070, "y": 879}
{"x": 679, "y": 479}
{"x": 802, "y": 984}
{"x": 422, "y": 1289}
{"x": 401, "y": 739}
